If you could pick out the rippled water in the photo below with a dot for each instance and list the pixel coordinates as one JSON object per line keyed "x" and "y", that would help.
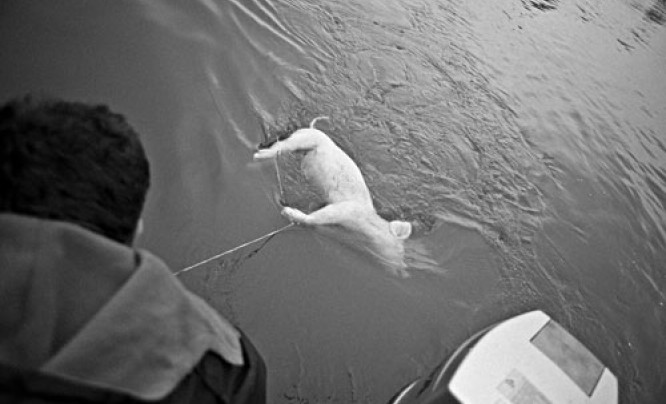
{"x": 528, "y": 138}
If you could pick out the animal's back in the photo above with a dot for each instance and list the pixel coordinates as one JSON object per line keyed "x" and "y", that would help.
{"x": 336, "y": 175}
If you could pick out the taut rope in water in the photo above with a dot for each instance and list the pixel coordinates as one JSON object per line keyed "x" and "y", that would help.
{"x": 256, "y": 240}
{"x": 277, "y": 171}
{"x": 266, "y": 236}
{"x": 207, "y": 260}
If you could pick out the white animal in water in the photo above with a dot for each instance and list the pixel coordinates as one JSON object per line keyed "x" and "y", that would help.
{"x": 349, "y": 203}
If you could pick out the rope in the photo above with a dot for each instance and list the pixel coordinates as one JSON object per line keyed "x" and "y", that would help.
{"x": 277, "y": 171}
{"x": 265, "y": 236}
{"x": 207, "y": 260}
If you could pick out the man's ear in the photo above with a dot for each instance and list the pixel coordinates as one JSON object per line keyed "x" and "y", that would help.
{"x": 139, "y": 229}
{"x": 400, "y": 229}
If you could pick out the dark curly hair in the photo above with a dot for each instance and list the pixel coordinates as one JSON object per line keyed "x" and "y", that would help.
{"x": 73, "y": 162}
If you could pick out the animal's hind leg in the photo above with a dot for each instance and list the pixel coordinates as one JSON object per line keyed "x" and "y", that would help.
{"x": 269, "y": 153}
{"x": 329, "y": 214}
{"x": 298, "y": 141}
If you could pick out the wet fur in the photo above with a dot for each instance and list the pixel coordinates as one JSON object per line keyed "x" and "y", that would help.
{"x": 349, "y": 203}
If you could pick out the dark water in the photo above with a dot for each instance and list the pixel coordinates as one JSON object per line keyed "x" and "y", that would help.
{"x": 531, "y": 133}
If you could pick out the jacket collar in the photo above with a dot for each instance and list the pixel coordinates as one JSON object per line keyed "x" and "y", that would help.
{"x": 78, "y": 305}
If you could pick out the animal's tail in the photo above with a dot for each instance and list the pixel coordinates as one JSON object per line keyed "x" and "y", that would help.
{"x": 314, "y": 121}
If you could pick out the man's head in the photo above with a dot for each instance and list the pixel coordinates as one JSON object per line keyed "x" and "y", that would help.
{"x": 72, "y": 162}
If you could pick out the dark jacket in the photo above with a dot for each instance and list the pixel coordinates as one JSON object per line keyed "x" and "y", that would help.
{"x": 85, "y": 319}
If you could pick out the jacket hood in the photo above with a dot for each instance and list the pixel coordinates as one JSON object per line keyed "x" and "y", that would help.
{"x": 80, "y": 306}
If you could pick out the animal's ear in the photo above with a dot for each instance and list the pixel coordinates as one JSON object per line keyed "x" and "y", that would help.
{"x": 400, "y": 229}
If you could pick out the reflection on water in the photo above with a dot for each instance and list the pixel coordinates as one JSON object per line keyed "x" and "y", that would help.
{"x": 528, "y": 139}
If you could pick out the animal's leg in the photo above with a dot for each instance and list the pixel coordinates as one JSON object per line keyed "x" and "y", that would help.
{"x": 286, "y": 145}
{"x": 295, "y": 215}
{"x": 302, "y": 140}
{"x": 329, "y": 214}
{"x": 269, "y": 153}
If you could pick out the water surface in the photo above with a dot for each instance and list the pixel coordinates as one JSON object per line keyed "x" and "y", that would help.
{"x": 528, "y": 138}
